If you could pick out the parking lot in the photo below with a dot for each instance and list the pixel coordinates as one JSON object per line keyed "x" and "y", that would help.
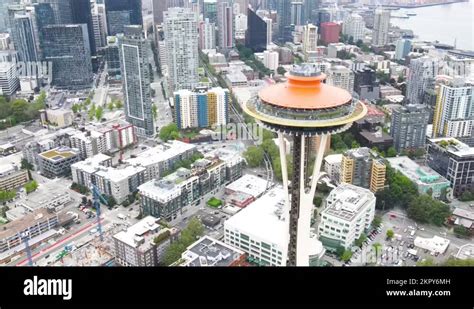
{"x": 400, "y": 250}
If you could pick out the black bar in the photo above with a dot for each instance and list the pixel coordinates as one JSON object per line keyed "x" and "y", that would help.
{"x": 242, "y": 285}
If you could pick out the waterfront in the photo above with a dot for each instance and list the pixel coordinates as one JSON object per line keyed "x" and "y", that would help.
{"x": 444, "y": 23}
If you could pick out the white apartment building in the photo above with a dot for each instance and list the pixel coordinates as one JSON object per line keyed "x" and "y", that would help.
{"x": 310, "y": 38}
{"x": 420, "y": 77}
{"x": 161, "y": 158}
{"x": 354, "y": 26}
{"x": 89, "y": 143}
{"x": 454, "y": 112}
{"x": 180, "y": 27}
{"x": 348, "y": 213}
{"x": 207, "y": 35}
{"x": 261, "y": 230}
{"x": 332, "y": 166}
{"x": 9, "y": 81}
{"x": 270, "y": 60}
{"x": 340, "y": 76}
{"x": 381, "y": 27}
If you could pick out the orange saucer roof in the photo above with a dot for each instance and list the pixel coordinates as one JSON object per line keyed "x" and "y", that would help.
{"x": 305, "y": 92}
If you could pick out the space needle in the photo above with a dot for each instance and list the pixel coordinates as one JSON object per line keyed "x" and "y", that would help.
{"x": 303, "y": 107}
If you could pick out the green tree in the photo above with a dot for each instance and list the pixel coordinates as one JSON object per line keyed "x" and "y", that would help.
{"x": 26, "y": 165}
{"x": 426, "y": 262}
{"x": 390, "y": 234}
{"x": 7, "y": 195}
{"x": 391, "y": 152}
{"x": 281, "y": 70}
{"x": 189, "y": 235}
{"x": 118, "y": 104}
{"x": 360, "y": 241}
{"x": 111, "y": 106}
{"x": 91, "y": 112}
{"x": 169, "y": 132}
{"x": 31, "y": 186}
{"x": 425, "y": 209}
{"x": 461, "y": 231}
{"x": 317, "y": 201}
{"x": 254, "y": 156}
{"x": 87, "y": 101}
{"x": 75, "y": 108}
{"x": 457, "y": 262}
{"x": 154, "y": 111}
{"x": 377, "y": 221}
{"x": 346, "y": 255}
{"x": 99, "y": 112}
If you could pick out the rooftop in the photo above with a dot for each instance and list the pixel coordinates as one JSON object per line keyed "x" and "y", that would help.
{"x": 59, "y": 153}
{"x": 416, "y": 173}
{"x": 91, "y": 164}
{"x": 264, "y": 218}
{"x": 161, "y": 153}
{"x": 466, "y": 252}
{"x": 334, "y": 158}
{"x": 208, "y": 251}
{"x": 141, "y": 234}
{"x": 459, "y": 212}
{"x": 25, "y": 222}
{"x": 453, "y": 146}
{"x": 347, "y": 200}
{"x": 249, "y": 184}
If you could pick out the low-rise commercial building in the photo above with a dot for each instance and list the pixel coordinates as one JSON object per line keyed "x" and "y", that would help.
{"x": 57, "y": 162}
{"x": 463, "y": 218}
{"x": 12, "y": 177}
{"x": 208, "y": 251}
{"x": 36, "y": 227}
{"x": 348, "y": 213}
{"x": 143, "y": 244}
{"x": 425, "y": 179}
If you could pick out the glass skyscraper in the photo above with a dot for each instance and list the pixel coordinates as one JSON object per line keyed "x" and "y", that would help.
{"x": 121, "y": 13}
{"x": 67, "y": 47}
{"x": 133, "y": 51}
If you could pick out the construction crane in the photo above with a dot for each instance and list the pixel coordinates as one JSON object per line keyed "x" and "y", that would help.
{"x": 97, "y": 196}
{"x": 24, "y": 237}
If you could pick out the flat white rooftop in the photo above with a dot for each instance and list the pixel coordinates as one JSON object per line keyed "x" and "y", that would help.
{"x": 261, "y": 218}
{"x": 135, "y": 233}
{"x": 347, "y": 200}
{"x": 249, "y": 184}
{"x": 161, "y": 153}
{"x": 334, "y": 158}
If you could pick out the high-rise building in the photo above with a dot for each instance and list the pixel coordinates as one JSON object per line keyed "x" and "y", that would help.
{"x": 160, "y": 6}
{"x": 311, "y": 11}
{"x": 44, "y": 15}
{"x": 454, "y": 160}
{"x": 330, "y": 32}
{"x": 402, "y": 49}
{"x": 297, "y": 17}
{"x": 259, "y": 31}
{"x": 133, "y": 51}
{"x": 366, "y": 84}
{"x": 354, "y": 26}
{"x": 454, "y": 111}
{"x": 9, "y": 82}
{"x": 112, "y": 57}
{"x": 121, "y": 13}
{"x": 283, "y": 8}
{"x": 181, "y": 39}
{"x": 243, "y": 6}
{"x": 341, "y": 77}
{"x": 421, "y": 76}
{"x": 99, "y": 22}
{"x": 68, "y": 48}
{"x": 317, "y": 108}
{"x": 362, "y": 168}
{"x": 408, "y": 127}
{"x": 4, "y": 14}
{"x": 348, "y": 213}
{"x": 381, "y": 27}
{"x": 23, "y": 36}
{"x": 207, "y": 35}
{"x": 209, "y": 10}
{"x": 82, "y": 14}
{"x": 240, "y": 25}
{"x": 201, "y": 108}
{"x": 270, "y": 60}
{"x": 225, "y": 25}
{"x": 310, "y": 39}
